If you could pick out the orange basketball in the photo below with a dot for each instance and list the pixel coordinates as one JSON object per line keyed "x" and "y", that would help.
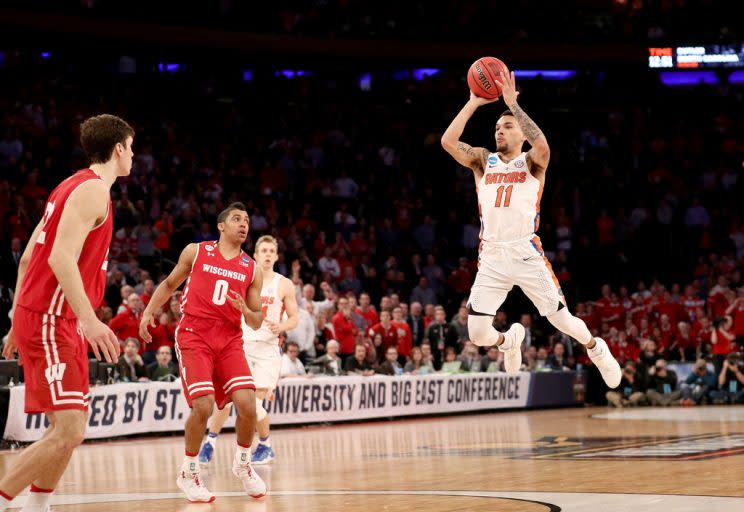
{"x": 482, "y": 75}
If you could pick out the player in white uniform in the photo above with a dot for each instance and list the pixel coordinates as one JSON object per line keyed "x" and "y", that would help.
{"x": 510, "y": 183}
{"x": 262, "y": 349}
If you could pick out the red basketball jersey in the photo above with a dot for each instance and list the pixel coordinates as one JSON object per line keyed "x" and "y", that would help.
{"x": 212, "y": 276}
{"x": 40, "y": 290}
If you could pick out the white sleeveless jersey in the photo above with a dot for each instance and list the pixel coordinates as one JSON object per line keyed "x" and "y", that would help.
{"x": 508, "y": 200}
{"x": 273, "y": 309}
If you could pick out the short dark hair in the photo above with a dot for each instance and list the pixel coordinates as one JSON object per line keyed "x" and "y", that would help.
{"x": 99, "y": 135}
{"x": 507, "y": 113}
{"x": 233, "y": 206}
{"x": 291, "y": 344}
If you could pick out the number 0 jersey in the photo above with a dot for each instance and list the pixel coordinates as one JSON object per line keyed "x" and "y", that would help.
{"x": 508, "y": 200}
{"x": 40, "y": 290}
{"x": 212, "y": 277}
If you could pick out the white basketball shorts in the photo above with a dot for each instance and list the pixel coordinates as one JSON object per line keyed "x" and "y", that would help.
{"x": 265, "y": 360}
{"x": 521, "y": 263}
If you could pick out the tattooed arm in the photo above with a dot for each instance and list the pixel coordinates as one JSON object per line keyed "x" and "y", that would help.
{"x": 465, "y": 154}
{"x": 539, "y": 155}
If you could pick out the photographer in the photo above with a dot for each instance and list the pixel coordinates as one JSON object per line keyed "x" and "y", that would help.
{"x": 662, "y": 389}
{"x": 730, "y": 382}
{"x": 698, "y": 385}
{"x": 630, "y": 392}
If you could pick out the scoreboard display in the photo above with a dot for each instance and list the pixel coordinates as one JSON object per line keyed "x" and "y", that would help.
{"x": 697, "y": 57}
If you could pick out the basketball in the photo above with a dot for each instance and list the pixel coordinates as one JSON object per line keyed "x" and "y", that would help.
{"x": 482, "y": 77}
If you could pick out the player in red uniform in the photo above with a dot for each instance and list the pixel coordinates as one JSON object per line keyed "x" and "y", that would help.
{"x": 61, "y": 280}
{"x": 209, "y": 343}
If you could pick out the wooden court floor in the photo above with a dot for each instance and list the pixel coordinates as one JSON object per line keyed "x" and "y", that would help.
{"x": 636, "y": 460}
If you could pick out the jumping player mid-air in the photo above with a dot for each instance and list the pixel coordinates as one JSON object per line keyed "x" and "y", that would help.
{"x": 209, "y": 343}
{"x": 61, "y": 280}
{"x": 509, "y": 183}
{"x": 262, "y": 349}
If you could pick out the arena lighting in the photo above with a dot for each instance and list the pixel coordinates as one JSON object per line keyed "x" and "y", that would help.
{"x": 247, "y": 75}
{"x": 545, "y": 74}
{"x": 421, "y": 73}
{"x": 291, "y": 73}
{"x": 737, "y": 77}
{"x": 672, "y": 78}
{"x": 695, "y": 57}
{"x": 365, "y": 82}
{"x": 169, "y": 67}
{"x": 45, "y": 55}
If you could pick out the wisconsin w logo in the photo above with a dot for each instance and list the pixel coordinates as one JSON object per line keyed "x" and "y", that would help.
{"x": 55, "y": 372}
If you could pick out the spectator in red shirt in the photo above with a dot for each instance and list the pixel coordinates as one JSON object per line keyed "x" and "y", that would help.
{"x": 624, "y": 349}
{"x": 667, "y": 340}
{"x": 460, "y": 280}
{"x": 428, "y": 315}
{"x": 386, "y": 330}
{"x": 405, "y": 338}
{"x": 668, "y": 307}
{"x": 126, "y": 324}
{"x": 736, "y": 311}
{"x": 604, "y": 302}
{"x": 722, "y": 339}
{"x": 343, "y": 327}
{"x": 613, "y": 312}
{"x": 367, "y": 310}
{"x": 165, "y": 333}
{"x": 691, "y": 301}
{"x": 148, "y": 288}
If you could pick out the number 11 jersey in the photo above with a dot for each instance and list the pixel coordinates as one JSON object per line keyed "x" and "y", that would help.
{"x": 508, "y": 200}
{"x": 205, "y": 295}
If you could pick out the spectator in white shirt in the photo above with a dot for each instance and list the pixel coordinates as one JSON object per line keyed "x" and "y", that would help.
{"x": 292, "y": 367}
{"x": 308, "y": 295}
{"x": 304, "y": 334}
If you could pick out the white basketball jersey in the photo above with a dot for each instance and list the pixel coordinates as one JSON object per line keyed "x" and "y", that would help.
{"x": 273, "y": 309}
{"x": 508, "y": 200}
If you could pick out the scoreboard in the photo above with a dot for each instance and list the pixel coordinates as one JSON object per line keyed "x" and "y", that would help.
{"x": 696, "y": 57}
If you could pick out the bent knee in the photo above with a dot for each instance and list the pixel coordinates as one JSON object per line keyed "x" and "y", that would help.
{"x": 202, "y": 406}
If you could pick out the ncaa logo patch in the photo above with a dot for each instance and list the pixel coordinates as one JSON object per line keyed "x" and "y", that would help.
{"x": 209, "y": 247}
{"x": 519, "y": 164}
{"x": 245, "y": 261}
{"x": 492, "y": 160}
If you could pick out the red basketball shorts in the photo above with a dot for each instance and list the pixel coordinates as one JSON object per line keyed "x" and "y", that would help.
{"x": 55, "y": 361}
{"x": 212, "y": 360}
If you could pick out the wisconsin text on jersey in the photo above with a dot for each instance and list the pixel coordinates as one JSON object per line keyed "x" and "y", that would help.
{"x": 211, "y": 269}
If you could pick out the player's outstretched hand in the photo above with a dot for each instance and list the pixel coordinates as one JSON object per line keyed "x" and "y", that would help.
{"x": 273, "y": 327}
{"x": 147, "y": 320}
{"x": 102, "y": 340}
{"x": 11, "y": 347}
{"x": 508, "y": 85}
{"x": 478, "y": 101}
{"x": 237, "y": 301}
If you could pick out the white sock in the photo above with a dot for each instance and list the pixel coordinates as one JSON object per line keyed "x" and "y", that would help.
{"x": 265, "y": 441}
{"x": 242, "y": 455}
{"x": 597, "y": 349}
{"x": 212, "y": 439}
{"x": 37, "y": 500}
{"x": 190, "y": 464}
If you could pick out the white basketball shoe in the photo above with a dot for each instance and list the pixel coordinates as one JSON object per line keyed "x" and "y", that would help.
{"x": 193, "y": 487}
{"x": 604, "y": 360}
{"x": 252, "y": 482}
{"x": 512, "y": 348}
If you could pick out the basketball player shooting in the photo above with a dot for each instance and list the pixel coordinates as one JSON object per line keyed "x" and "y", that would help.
{"x": 262, "y": 349}
{"x": 509, "y": 184}
{"x": 223, "y": 290}
{"x": 61, "y": 280}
